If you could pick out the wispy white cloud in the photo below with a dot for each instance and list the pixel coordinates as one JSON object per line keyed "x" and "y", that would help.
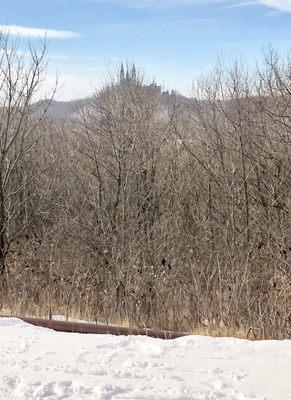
{"x": 243, "y": 3}
{"x": 16, "y": 30}
{"x": 158, "y": 3}
{"x": 283, "y": 5}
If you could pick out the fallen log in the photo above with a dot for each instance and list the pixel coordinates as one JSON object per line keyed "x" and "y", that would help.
{"x": 88, "y": 328}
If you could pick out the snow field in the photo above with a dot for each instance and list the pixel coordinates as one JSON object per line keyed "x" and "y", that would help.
{"x": 37, "y": 363}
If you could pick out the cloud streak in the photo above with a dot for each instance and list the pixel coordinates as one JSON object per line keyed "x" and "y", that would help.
{"x": 15, "y": 30}
{"x": 158, "y": 3}
{"x": 283, "y": 5}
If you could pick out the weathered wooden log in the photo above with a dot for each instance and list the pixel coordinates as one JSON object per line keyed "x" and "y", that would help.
{"x": 98, "y": 329}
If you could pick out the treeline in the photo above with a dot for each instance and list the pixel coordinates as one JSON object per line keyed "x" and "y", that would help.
{"x": 146, "y": 208}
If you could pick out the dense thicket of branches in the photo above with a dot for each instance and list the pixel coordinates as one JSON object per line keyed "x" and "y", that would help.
{"x": 148, "y": 208}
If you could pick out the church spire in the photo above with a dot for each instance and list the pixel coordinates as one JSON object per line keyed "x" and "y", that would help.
{"x": 133, "y": 72}
{"x": 121, "y": 72}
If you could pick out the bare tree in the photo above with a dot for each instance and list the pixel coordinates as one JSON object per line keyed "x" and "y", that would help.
{"x": 21, "y": 75}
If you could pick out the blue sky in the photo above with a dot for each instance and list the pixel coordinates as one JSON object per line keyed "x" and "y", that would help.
{"x": 171, "y": 40}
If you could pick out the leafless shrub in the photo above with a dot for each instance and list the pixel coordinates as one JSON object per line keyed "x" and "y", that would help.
{"x": 161, "y": 211}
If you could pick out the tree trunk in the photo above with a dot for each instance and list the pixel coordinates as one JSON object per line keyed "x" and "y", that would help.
{"x": 2, "y": 230}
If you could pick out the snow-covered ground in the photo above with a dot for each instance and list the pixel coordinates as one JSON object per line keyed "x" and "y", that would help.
{"x": 37, "y": 363}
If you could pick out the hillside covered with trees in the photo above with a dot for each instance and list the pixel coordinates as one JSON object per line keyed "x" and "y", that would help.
{"x": 145, "y": 208}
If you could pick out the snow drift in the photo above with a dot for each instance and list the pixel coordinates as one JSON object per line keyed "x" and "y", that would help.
{"x": 37, "y": 363}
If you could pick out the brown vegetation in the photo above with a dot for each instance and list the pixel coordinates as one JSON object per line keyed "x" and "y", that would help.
{"x": 150, "y": 208}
